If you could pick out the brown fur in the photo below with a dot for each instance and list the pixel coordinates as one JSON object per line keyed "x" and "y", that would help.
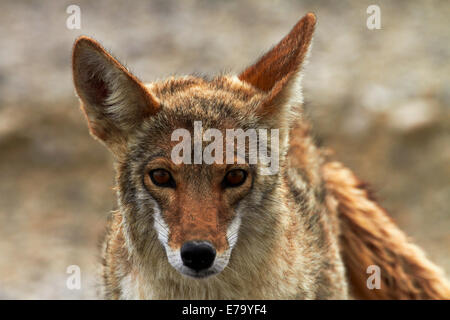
{"x": 370, "y": 237}
{"x": 278, "y": 66}
{"x": 302, "y": 233}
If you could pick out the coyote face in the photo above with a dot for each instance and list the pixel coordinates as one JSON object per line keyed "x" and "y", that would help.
{"x": 271, "y": 221}
{"x": 194, "y": 209}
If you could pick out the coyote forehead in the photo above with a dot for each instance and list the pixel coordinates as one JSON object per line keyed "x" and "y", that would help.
{"x": 226, "y": 89}
{"x": 224, "y": 102}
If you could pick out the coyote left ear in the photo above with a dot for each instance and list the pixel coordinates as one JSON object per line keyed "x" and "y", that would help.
{"x": 115, "y": 101}
{"x": 277, "y": 71}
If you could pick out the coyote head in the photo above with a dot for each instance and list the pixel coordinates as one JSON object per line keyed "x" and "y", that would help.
{"x": 195, "y": 209}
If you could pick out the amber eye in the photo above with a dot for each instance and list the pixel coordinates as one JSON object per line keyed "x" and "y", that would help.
{"x": 234, "y": 178}
{"x": 162, "y": 178}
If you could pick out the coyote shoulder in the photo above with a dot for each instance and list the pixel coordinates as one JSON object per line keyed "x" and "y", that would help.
{"x": 223, "y": 230}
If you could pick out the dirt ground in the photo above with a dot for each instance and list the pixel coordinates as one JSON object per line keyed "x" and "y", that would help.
{"x": 379, "y": 98}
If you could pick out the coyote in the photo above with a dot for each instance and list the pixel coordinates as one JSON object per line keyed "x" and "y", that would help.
{"x": 225, "y": 231}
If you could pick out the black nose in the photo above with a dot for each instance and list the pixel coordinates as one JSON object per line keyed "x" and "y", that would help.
{"x": 197, "y": 255}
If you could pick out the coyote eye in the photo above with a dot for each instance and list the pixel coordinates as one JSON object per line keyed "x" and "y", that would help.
{"x": 162, "y": 178}
{"x": 234, "y": 178}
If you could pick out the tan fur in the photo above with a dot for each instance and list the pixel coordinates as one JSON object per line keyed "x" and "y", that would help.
{"x": 307, "y": 232}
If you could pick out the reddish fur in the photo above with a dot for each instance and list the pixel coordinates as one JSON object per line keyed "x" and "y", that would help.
{"x": 277, "y": 68}
{"x": 284, "y": 59}
{"x": 370, "y": 237}
{"x": 195, "y": 217}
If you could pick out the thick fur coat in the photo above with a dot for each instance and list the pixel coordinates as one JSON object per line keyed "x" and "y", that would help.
{"x": 307, "y": 232}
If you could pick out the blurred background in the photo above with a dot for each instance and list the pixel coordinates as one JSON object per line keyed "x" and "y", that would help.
{"x": 379, "y": 98}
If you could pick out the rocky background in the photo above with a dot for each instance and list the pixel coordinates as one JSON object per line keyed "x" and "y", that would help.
{"x": 379, "y": 98}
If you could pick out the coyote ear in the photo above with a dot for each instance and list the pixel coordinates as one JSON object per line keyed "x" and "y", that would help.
{"x": 113, "y": 100}
{"x": 278, "y": 71}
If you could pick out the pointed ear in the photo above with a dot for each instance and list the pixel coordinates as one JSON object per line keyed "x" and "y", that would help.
{"x": 114, "y": 101}
{"x": 278, "y": 71}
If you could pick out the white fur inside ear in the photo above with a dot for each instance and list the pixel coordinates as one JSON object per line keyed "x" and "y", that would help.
{"x": 108, "y": 91}
{"x": 294, "y": 90}
{"x": 123, "y": 103}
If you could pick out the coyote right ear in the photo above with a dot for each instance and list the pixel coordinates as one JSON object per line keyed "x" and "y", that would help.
{"x": 114, "y": 101}
{"x": 276, "y": 72}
